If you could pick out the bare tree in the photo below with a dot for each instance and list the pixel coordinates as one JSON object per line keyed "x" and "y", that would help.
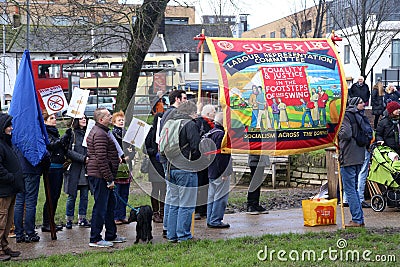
{"x": 88, "y": 28}
{"x": 149, "y": 17}
{"x": 364, "y": 23}
{"x": 309, "y": 22}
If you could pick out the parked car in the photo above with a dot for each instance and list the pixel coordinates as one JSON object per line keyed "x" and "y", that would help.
{"x": 104, "y": 102}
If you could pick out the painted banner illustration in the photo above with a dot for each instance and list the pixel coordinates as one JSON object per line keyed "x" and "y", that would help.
{"x": 279, "y": 96}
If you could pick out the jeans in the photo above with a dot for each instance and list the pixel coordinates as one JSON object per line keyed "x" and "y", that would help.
{"x": 83, "y": 203}
{"x": 120, "y": 208}
{"x": 349, "y": 177}
{"x": 55, "y": 184}
{"x": 182, "y": 196}
{"x": 29, "y": 200}
{"x": 307, "y": 113}
{"x": 103, "y": 211}
{"x": 362, "y": 177}
{"x": 254, "y": 116}
{"x": 218, "y": 192}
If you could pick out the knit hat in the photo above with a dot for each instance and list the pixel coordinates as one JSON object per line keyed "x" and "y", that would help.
{"x": 392, "y": 106}
{"x": 354, "y": 101}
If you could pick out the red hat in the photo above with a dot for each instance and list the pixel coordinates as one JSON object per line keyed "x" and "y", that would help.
{"x": 392, "y": 106}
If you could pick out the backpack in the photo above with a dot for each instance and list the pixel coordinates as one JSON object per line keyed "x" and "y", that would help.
{"x": 207, "y": 146}
{"x": 362, "y": 138}
{"x": 169, "y": 138}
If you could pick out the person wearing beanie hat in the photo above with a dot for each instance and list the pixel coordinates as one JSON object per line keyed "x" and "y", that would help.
{"x": 11, "y": 183}
{"x": 354, "y": 101}
{"x": 392, "y": 106}
{"x": 387, "y": 131}
{"x": 352, "y": 157}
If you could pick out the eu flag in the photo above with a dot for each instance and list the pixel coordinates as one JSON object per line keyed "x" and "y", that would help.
{"x": 29, "y": 133}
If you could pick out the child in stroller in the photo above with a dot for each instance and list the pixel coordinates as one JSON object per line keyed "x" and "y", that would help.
{"x": 384, "y": 178}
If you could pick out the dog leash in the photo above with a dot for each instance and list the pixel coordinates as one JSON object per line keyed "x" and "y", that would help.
{"x": 123, "y": 201}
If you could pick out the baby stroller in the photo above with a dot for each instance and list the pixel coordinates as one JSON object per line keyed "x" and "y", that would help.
{"x": 384, "y": 179}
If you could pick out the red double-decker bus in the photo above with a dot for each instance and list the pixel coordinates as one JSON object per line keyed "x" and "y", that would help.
{"x": 49, "y": 73}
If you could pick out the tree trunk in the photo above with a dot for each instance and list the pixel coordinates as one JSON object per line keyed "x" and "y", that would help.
{"x": 148, "y": 20}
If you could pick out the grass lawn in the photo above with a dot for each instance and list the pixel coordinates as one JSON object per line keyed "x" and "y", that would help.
{"x": 359, "y": 247}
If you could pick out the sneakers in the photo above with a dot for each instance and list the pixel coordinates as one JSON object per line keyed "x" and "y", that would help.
{"x": 255, "y": 210}
{"x": 220, "y": 226}
{"x": 118, "y": 239}
{"x": 84, "y": 223}
{"x": 69, "y": 225}
{"x": 197, "y": 216}
{"x": 32, "y": 238}
{"x": 20, "y": 239}
{"x": 164, "y": 233}
{"x": 101, "y": 244}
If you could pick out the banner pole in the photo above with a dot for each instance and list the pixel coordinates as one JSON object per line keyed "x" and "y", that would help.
{"x": 340, "y": 188}
{"x": 201, "y": 38}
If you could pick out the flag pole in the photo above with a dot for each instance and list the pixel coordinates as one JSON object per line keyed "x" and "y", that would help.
{"x": 201, "y": 38}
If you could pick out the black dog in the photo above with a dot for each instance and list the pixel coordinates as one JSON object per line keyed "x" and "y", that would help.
{"x": 143, "y": 216}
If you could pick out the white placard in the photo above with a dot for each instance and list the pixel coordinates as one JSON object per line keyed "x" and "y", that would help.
{"x": 89, "y": 127}
{"x": 136, "y": 133}
{"x": 53, "y": 99}
{"x": 78, "y": 103}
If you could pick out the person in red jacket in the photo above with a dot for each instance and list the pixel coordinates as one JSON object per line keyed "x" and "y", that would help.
{"x": 322, "y": 101}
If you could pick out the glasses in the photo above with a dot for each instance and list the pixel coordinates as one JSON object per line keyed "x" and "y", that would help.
{"x": 82, "y": 118}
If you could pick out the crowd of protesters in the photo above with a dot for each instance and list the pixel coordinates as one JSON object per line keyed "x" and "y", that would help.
{"x": 179, "y": 189}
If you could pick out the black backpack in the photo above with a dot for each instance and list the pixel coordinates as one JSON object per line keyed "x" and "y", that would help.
{"x": 362, "y": 137}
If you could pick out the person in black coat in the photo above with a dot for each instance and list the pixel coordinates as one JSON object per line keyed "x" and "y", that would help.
{"x": 387, "y": 131}
{"x": 360, "y": 89}
{"x": 75, "y": 176}
{"x": 156, "y": 173}
{"x": 391, "y": 94}
{"x": 57, "y": 148}
{"x": 205, "y": 123}
{"x": 377, "y": 102}
{"x": 11, "y": 183}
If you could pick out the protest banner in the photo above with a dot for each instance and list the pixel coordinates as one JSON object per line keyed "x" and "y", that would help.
{"x": 136, "y": 133}
{"x": 279, "y": 96}
{"x": 53, "y": 99}
{"x": 78, "y": 103}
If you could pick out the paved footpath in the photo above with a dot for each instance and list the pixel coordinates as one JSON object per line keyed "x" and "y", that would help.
{"x": 76, "y": 240}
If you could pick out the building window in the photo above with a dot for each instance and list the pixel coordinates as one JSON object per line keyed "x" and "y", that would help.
{"x": 346, "y": 54}
{"x": 395, "y": 53}
{"x": 194, "y": 62}
{"x": 306, "y": 26}
{"x": 283, "y": 33}
{"x": 294, "y": 31}
{"x": 272, "y": 34}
